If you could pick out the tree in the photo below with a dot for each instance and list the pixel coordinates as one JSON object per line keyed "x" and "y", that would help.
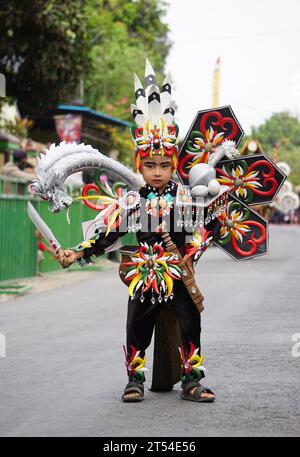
{"x": 42, "y": 50}
{"x": 283, "y": 128}
{"x": 125, "y": 33}
{"x": 49, "y": 46}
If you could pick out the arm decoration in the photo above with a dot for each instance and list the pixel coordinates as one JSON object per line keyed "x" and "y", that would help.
{"x": 87, "y": 246}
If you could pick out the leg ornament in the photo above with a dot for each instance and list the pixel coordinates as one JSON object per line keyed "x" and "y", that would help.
{"x": 135, "y": 365}
{"x": 191, "y": 365}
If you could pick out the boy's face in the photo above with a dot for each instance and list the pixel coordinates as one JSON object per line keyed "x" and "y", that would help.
{"x": 157, "y": 171}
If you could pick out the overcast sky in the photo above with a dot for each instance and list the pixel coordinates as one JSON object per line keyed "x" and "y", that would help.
{"x": 258, "y": 41}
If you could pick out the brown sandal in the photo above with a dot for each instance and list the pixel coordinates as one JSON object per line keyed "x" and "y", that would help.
{"x": 195, "y": 396}
{"x": 133, "y": 387}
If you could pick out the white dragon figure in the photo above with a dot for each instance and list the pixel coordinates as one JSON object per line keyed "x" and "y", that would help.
{"x": 61, "y": 161}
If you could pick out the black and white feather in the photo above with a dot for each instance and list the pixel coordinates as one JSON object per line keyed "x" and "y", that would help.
{"x": 153, "y": 107}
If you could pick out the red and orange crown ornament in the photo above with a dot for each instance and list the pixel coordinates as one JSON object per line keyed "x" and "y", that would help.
{"x": 155, "y": 132}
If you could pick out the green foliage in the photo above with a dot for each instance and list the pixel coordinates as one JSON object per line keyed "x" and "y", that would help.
{"x": 42, "y": 50}
{"x": 124, "y": 34}
{"x": 281, "y": 128}
{"x": 292, "y": 157}
{"x": 48, "y": 46}
{"x": 280, "y": 136}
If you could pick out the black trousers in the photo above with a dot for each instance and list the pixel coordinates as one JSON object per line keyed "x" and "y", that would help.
{"x": 141, "y": 317}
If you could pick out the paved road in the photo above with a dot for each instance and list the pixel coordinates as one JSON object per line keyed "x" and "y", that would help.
{"x": 64, "y": 372}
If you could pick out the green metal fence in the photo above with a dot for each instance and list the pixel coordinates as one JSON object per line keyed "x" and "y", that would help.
{"x": 18, "y": 243}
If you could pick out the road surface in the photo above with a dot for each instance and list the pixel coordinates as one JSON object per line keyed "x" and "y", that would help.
{"x": 64, "y": 371}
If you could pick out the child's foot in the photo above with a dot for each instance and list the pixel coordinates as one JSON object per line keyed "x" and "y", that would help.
{"x": 204, "y": 394}
{"x": 133, "y": 396}
{"x": 133, "y": 392}
{"x": 196, "y": 392}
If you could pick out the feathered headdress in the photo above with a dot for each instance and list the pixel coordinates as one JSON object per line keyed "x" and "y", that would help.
{"x": 155, "y": 132}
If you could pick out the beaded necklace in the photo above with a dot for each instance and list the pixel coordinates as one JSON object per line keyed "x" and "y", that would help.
{"x": 160, "y": 204}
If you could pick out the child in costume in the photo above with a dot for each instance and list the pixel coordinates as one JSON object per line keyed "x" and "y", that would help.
{"x": 143, "y": 306}
{"x": 212, "y": 200}
{"x": 156, "y": 283}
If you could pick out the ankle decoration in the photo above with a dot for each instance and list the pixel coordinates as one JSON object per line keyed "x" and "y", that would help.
{"x": 192, "y": 369}
{"x": 135, "y": 365}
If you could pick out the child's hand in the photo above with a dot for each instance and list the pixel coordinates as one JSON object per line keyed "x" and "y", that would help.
{"x": 67, "y": 257}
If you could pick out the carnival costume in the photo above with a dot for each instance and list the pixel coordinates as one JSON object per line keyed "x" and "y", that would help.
{"x": 211, "y": 203}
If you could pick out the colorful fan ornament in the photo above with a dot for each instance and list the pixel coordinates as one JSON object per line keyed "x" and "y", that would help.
{"x": 135, "y": 365}
{"x": 113, "y": 203}
{"x": 151, "y": 268}
{"x": 225, "y": 183}
{"x": 212, "y": 133}
{"x": 201, "y": 146}
{"x": 252, "y": 179}
{"x": 191, "y": 365}
{"x": 243, "y": 232}
{"x": 240, "y": 180}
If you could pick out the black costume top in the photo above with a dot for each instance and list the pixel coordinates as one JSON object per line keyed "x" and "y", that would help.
{"x": 149, "y": 223}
